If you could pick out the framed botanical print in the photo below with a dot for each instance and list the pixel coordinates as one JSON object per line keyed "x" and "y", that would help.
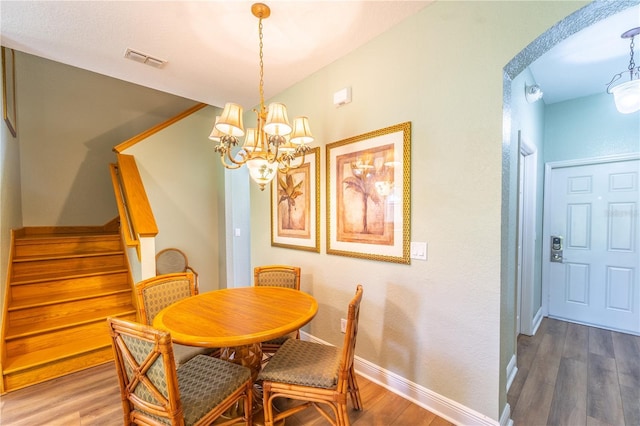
{"x": 368, "y": 195}
{"x": 295, "y": 205}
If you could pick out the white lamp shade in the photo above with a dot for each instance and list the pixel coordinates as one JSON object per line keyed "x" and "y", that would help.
{"x": 277, "y": 122}
{"x": 215, "y": 133}
{"x": 261, "y": 171}
{"x": 230, "y": 122}
{"x": 301, "y": 132}
{"x": 251, "y": 141}
{"x": 627, "y": 96}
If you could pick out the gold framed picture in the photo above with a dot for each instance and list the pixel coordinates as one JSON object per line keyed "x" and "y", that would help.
{"x": 9, "y": 89}
{"x": 369, "y": 195}
{"x": 295, "y": 205}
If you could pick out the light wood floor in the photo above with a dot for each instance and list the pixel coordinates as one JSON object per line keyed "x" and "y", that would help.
{"x": 573, "y": 375}
{"x": 92, "y": 397}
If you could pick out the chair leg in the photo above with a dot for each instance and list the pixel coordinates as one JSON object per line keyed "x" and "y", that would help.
{"x": 354, "y": 391}
{"x": 267, "y": 409}
{"x": 343, "y": 415}
{"x": 248, "y": 405}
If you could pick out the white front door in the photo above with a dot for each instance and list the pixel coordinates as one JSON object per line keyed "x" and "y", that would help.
{"x": 593, "y": 208}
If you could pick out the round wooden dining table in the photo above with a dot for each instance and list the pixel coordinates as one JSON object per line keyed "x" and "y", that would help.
{"x": 237, "y": 320}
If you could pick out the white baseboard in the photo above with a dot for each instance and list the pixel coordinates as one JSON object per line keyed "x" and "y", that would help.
{"x": 512, "y": 370}
{"x": 429, "y": 400}
{"x": 537, "y": 320}
{"x": 505, "y": 418}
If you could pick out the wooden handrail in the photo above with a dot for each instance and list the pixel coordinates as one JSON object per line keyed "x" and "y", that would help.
{"x": 142, "y": 221}
{"x": 142, "y": 136}
{"x": 129, "y": 237}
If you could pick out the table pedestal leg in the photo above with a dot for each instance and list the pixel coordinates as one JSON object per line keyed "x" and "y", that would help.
{"x": 249, "y": 356}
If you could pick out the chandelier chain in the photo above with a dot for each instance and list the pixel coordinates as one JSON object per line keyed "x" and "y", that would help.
{"x": 261, "y": 65}
{"x": 632, "y": 64}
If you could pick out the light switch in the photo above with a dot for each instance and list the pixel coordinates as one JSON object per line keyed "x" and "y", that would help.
{"x": 236, "y": 232}
{"x": 418, "y": 250}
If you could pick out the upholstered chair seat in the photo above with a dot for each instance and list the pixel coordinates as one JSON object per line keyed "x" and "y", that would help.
{"x": 154, "y": 391}
{"x": 316, "y": 375}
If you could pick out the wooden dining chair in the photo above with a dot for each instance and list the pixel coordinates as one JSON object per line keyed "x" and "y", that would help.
{"x": 277, "y": 276}
{"x": 319, "y": 375}
{"x": 154, "y": 392}
{"x": 156, "y": 293}
{"x": 171, "y": 260}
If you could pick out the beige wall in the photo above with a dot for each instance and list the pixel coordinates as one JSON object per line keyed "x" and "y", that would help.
{"x": 70, "y": 120}
{"x": 185, "y": 187}
{"x": 56, "y": 172}
{"x": 435, "y": 323}
{"x": 10, "y": 204}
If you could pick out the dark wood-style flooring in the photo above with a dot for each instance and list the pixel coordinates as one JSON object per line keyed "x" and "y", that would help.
{"x": 92, "y": 397}
{"x": 568, "y": 375}
{"x": 574, "y": 375}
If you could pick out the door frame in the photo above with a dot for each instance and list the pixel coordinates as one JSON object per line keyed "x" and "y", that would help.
{"x": 548, "y": 168}
{"x": 527, "y": 217}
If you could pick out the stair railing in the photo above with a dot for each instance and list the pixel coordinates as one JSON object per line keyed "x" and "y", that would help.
{"x": 137, "y": 223}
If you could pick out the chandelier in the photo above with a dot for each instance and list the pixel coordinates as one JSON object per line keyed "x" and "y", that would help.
{"x": 627, "y": 95}
{"x": 274, "y": 145}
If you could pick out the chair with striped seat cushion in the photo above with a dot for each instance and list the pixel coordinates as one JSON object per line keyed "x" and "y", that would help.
{"x": 277, "y": 276}
{"x": 155, "y": 392}
{"x": 156, "y": 293}
{"x": 316, "y": 374}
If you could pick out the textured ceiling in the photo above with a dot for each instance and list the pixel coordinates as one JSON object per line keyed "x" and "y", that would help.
{"x": 212, "y": 47}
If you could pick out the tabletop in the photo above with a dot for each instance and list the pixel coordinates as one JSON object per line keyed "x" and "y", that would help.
{"x": 236, "y": 316}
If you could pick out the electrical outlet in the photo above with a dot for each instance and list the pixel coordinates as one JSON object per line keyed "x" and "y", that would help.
{"x": 343, "y": 325}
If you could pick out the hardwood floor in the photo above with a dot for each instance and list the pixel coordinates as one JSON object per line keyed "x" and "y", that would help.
{"x": 568, "y": 375}
{"x": 573, "y": 375}
{"x": 92, "y": 397}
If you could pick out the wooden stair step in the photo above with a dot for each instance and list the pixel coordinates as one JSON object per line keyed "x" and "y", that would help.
{"x": 49, "y": 355}
{"x": 35, "y": 236}
{"x": 31, "y": 270}
{"x": 17, "y": 332}
{"x": 62, "y": 310}
{"x": 70, "y": 296}
{"x": 71, "y": 255}
{"x": 61, "y": 275}
{"x": 60, "y": 343}
{"x": 27, "y": 377}
{"x": 39, "y": 245}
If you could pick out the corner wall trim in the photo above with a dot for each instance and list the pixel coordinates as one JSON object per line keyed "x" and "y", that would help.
{"x": 427, "y": 399}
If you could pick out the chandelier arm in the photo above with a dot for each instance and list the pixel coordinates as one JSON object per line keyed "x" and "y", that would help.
{"x": 241, "y": 162}
{"x": 613, "y": 80}
{"x": 229, "y": 166}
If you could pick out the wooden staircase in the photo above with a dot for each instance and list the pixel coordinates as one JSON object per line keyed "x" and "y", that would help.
{"x": 62, "y": 285}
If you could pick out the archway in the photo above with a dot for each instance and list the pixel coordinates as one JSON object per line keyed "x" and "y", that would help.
{"x": 572, "y": 24}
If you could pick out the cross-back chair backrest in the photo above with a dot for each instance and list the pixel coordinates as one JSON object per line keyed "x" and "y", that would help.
{"x": 277, "y": 276}
{"x": 351, "y": 332}
{"x": 147, "y": 374}
{"x": 156, "y": 293}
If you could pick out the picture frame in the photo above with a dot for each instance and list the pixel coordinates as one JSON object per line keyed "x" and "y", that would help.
{"x": 368, "y": 191}
{"x": 9, "y": 89}
{"x": 295, "y": 205}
